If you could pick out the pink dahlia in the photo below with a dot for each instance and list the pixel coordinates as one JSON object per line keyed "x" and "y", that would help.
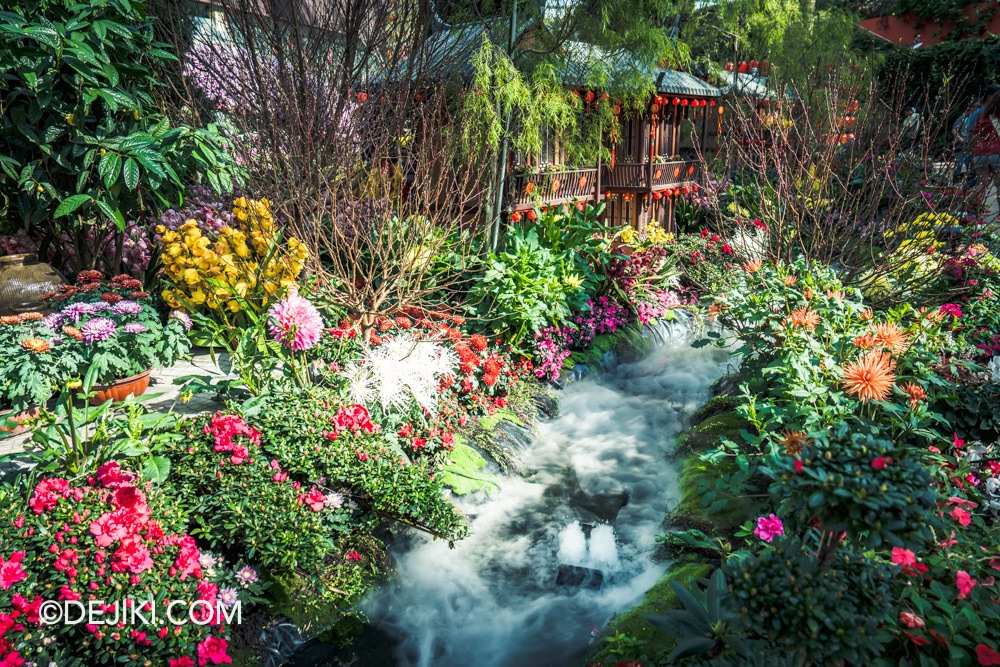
{"x": 295, "y": 323}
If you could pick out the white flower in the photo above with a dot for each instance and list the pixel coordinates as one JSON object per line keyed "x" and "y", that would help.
{"x": 399, "y": 371}
{"x": 994, "y": 368}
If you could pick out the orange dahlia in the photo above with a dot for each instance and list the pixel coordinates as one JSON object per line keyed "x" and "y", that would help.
{"x": 890, "y": 336}
{"x": 794, "y": 441}
{"x": 802, "y": 318}
{"x": 791, "y": 280}
{"x": 870, "y": 377}
{"x": 752, "y": 266}
{"x": 915, "y": 392}
{"x": 866, "y": 314}
{"x": 835, "y": 294}
{"x": 865, "y": 342}
{"x": 36, "y": 345}
{"x": 807, "y": 293}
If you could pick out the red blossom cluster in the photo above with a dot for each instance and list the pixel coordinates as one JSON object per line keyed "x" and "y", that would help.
{"x": 100, "y": 541}
{"x": 91, "y": 281}
{"x": 223, "y": 428}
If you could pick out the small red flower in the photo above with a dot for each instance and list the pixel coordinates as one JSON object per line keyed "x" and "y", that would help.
{"x": 987, "y": 656}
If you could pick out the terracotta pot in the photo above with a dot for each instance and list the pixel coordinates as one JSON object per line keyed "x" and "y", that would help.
{"x": 22, "y": 280}
{"x": 120, "y": 389}
{"x": 20, "y": 417}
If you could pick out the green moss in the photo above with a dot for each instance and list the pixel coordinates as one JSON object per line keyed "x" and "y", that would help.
{"x": 491, "y": 422}
{"x": 462, "y": 472}
{"x": 708, "y": 433}
{"x": 659, "y": 599}
{"x": 690, "y": 511}
{"x": 715, "y": 405}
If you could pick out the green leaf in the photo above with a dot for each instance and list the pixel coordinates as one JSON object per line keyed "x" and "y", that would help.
{"x": 156, "y": 469}
{"x": 70, "y": 204}
{"x": 130, "y": 172}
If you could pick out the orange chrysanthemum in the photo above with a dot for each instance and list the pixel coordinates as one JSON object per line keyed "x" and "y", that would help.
{"x": 802, "y": 318}
{"x": 866, "y": 314}
{"x": 915, "y": 392}
{"x": 865, "y": 342}
{"x": 36, "y": 345}
{"x": 753, "y": 266}
{"x": 791, "y": 280}
{"x": 870, "y": 377}
{"x": 807, "y": 293}
{"x": 794, "y": 441}
{"x": 31, "y": 317}
{"x": 8, "y": 320}
{"x": 73, "y": 332}
{"x": 835, "y": 294}
{"x": 891, "y": 336}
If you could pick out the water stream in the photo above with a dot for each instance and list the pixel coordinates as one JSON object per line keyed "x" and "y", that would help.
{"x": 553, "y": 554}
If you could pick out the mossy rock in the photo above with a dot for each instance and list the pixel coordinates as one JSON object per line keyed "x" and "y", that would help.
{"x": 659, "y": 599}
{"x": 463, "y": 474}
{"x": 709, "y": 433}
{"x": 690, "y": 511}
{"x": 491, "y": 422}
{"x": 716, "y": 405}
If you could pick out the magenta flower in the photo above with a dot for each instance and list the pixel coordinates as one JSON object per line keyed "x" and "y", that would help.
{"x": 951, "y": 309}
{"x": 295, "y": 323}
{"x": 768, "y": 527}
{"x": 183, "y": 318}
{"x": 134, "y": 328}
{"x": 97, "y": 329}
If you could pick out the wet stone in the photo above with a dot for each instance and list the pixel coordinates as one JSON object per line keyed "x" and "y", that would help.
{"x": 571, "y": 578}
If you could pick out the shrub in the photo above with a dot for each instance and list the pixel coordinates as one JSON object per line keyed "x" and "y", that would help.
{"x": 107, "y": 539}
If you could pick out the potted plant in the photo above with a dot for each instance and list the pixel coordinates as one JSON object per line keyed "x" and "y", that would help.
{"x": 117, "y": 333}
{"x": 28, "y": 373}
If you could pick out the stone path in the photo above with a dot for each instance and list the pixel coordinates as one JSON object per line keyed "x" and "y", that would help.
{"x": 163, "y": 394}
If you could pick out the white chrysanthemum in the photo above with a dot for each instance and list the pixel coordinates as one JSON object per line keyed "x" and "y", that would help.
{"x": 359, "y": 383}
{"x": 402, "y": 370}
{"x": 748, "y": 243}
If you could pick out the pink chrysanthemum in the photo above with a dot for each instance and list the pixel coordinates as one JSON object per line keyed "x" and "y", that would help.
{"x": 295, "y": 323}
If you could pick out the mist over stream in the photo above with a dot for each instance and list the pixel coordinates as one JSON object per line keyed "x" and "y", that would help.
{"x": 553, "y": 554}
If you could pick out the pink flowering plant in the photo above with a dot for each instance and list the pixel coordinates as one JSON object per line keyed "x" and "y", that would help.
{"x": 112, "y": 539}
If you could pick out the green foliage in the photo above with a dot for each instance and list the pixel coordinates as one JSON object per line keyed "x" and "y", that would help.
{"x": 545, "y": 269}
{"x": 83, "y": 145}
{"x": 800, "y": 605}
{"x": 872, "y": 489}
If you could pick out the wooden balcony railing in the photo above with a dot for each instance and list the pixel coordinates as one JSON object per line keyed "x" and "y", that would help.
{"x": 668, "y": 174}
{"x": 636, "y": 175}
{"x": 625, "y": 176}
{"x": 553, "y": 187}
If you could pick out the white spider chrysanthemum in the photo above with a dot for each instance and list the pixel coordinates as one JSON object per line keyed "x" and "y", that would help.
{"x": 748, "y": 243}
{"x": 359, "y": 383}
{"x": 400, "y": 370}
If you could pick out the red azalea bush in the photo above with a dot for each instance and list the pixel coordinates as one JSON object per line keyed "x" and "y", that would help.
{"x": 114, "y": 542}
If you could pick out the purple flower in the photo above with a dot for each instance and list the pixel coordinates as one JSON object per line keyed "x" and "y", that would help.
{"x": 134, "y": 328}
{"x": 246, "y": 575}
{"x": 126, "y": 308}
{"x": 98, "y": 306}
{"x": 76, "y": 310}
{"x": 228, "y": 596}
{"x": 53, "y": 321}
{"x": 97, "y": 329}
{"x": 183, "y": 318}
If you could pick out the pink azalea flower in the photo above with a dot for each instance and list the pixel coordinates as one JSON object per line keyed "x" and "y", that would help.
{"x": 768, "y": 527}
{"x": 964, "y": 582}
{"x": 960, "y": 515}
{"x": 11, "y": 571}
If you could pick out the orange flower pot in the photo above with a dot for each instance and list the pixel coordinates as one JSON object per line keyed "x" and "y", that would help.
{"x": 20, "y": 418}
{"x": 121, "y": 389}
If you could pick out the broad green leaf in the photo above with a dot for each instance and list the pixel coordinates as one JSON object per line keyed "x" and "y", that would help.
{"x": 130, "y": 172}
{"x": 70, "y": 204}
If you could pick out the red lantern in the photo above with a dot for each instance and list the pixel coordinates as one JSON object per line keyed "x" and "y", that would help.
{"x": 604, "y": 96}
{"x": 515, "y": 217}
{"x": 676, "y": 100}
{"x": 654, "y": 107}
{"x": 684, "y": 103}
{"x": 754, "y": 64}
{"x": 532, "y": 216}
{"x": 576, "y": 92}
{"x": 694, "y": 187}
{"x": 589, "y": 97}
{"x": 711, "y": 103}
{"x": 362, "y": 98}
{"x": 729, "y": 67}
{"x": 607, "y": 194}
{"x": 657, "y": 195}
{"x": 616, "y": 109}
{"x": 685, "y": 189}
{"x": 742, "y": 69}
